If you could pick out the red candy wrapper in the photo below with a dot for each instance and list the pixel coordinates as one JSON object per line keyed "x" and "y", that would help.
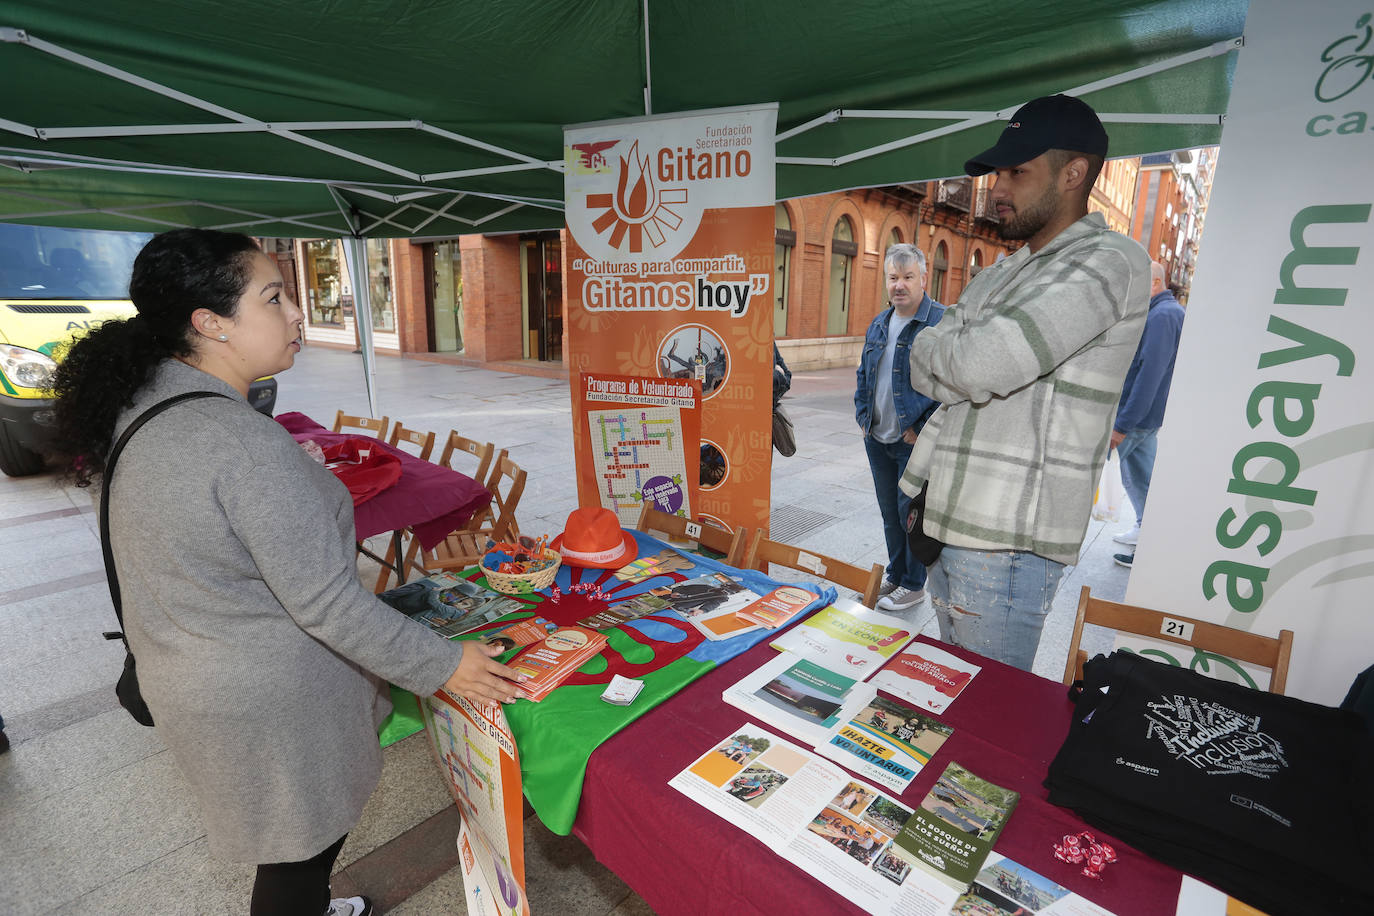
{"x": 1083, "y": 847}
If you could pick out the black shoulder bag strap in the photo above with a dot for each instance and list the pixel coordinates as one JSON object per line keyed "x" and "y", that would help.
{"x": 110, "y": 575}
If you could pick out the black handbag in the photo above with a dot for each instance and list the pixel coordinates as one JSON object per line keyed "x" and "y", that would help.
{"x": 126, "y": 688}
{"x": 924, "y": 548}
{"x": 784, "y": 437}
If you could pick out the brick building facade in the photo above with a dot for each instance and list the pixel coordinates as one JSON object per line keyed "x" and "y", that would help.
{"x": 499, "y": 300}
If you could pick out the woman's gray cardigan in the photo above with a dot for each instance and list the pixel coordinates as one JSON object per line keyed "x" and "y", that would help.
{"x": 236, "y": 561}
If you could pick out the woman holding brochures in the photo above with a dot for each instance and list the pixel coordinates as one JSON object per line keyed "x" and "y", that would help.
{"x": 259, "y": 652}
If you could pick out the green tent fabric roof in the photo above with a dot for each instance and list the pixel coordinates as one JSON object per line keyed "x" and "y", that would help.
{"x": 439, "y": 118}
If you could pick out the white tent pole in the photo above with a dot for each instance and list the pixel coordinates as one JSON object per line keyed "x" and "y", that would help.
{"x": 648, "y": 74}
{"x": 355, "y": 253}
{"x": 355, "y": 256}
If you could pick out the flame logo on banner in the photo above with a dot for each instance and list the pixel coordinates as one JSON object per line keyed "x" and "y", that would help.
{"x": 637, "y": 210}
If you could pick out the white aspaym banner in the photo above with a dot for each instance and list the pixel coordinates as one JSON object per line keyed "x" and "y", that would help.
{"x": 1261, "y": 509}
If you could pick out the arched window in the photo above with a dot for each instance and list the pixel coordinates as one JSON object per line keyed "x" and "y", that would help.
{"x": 976, "y": 266}
{"x": 784, "y": 240}
{"x": 894, "y": 237}
{"x": 842, "y": 252}
{"x": 939, "y": 270}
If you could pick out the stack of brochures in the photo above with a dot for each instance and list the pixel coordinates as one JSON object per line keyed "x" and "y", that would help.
{"x": 554, "y": 658}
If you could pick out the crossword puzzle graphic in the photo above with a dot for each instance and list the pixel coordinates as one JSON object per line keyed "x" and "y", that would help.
{"x": 638, "y": 456}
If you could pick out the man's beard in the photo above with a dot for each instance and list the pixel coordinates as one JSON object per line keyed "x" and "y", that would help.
{"x": 1025, "y": 223}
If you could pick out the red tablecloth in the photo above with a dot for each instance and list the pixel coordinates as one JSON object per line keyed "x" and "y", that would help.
{"x": 430, "y": 499}
{"x": 683, "y": 859}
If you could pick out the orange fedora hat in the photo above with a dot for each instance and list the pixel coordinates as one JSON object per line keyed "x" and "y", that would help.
{"x": 593, "y": 538}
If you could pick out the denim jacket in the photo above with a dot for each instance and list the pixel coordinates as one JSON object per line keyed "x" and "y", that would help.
{"x": 913, "y": 408}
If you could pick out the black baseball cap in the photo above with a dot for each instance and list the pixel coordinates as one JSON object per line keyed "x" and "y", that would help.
{"x": 1049, "y": 122}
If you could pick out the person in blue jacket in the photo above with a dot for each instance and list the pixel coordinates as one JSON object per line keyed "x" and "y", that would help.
{"x": 891, "y": 413}
{"x": 1143, "y": 397}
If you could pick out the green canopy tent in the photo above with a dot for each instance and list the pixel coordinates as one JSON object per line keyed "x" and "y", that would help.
{"x": 356, "y": 119}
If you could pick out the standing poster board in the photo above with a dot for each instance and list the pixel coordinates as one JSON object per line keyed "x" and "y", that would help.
{"x": 481, "y": 767}
{"x": 670, "y": 268}
{"x": 1260, "y": 506}
{"x": 644, "y": 442}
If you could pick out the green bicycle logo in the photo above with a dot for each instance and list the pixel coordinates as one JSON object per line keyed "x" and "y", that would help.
{"x": 1344, "y": 74}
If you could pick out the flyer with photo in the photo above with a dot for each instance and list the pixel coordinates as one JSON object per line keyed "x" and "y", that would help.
{"x": 846, "y": 636}
{"x": 926, "y": 675}
{"x": 809, "y": 811}
{"x": 798, "y": 696}
{"x": 450, "y": 604}
{"x": 886, "y": 741}
{"x": 1007, "y": 888}
{"x": 951, "y": 833}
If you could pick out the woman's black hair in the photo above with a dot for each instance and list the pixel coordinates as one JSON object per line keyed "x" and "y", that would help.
{"x": 176, "y": 273}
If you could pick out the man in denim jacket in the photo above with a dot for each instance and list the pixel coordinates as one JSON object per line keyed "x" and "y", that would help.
{"x": 891, "y": 413}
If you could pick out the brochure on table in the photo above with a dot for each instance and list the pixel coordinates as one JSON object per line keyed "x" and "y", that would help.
{"x": 926, "y": 675}
{"x": 886, "y": 741}
{"x": 842, "y": 830}
{"x": 882, "y": 739}
{"x": 848, "y": 637}
{"x": 956, "y": 826}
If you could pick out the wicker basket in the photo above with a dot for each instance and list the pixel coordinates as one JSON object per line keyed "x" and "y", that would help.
{"x": 524, "y": 583}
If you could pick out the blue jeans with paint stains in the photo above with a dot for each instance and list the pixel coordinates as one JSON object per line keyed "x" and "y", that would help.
{"x": 993, "y": 602}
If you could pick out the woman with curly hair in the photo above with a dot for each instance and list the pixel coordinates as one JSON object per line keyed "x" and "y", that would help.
{"x": 259, "y": 652}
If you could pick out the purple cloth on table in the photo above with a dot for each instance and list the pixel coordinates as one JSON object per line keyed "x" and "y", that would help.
{"x": 429, "y": 499}
{"x": 684, "y": 860}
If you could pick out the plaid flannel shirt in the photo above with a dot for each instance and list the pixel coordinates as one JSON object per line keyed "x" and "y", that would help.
{"x": 1029, "y": 367}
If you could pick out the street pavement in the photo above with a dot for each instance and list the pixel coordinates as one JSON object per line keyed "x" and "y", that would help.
{"x": 95, "y": 817}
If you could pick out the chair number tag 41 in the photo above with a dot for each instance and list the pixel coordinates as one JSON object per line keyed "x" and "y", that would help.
{"x": 812, "y": 562}
{"x": 1178, "y": 629}
{"x": 693, "y": 530}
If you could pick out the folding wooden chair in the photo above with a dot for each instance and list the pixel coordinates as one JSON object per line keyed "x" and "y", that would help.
{"x": 455, "y": 444}
{"x": 1271, "y": 652}
{"x": 423, "y": 441}
{"x": 464, "y": 548}
{"x": 763, "y": 551}
{"x": 375, "y": 426}
{"x": 712, "y": 538}
{"x": 683, "y": 529}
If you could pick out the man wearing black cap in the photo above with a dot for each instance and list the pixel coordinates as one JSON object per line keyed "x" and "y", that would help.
{"x": 1029, "y": 367}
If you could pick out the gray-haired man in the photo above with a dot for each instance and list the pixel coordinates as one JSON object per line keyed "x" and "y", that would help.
{"x": 891, "y": 413}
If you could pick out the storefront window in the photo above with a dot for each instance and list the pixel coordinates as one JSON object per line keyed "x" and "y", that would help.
{"x": 784, "y": 239}
{"x": 323, "y": 284}
{"x": 448, "y": 298}
{"x": 379, "y": 285}
{"x": 842, "y": 252}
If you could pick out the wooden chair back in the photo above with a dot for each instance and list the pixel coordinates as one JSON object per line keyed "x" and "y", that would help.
{"x": 709, "y": 536}
{"x": 421, "y": 440}
{"x": 483, "y": 452}
{"x": 1270, "y": 651}
{"x": 866, "y": 582}
{"x": 464, "y": 548}
{"x": 376, "y": 426}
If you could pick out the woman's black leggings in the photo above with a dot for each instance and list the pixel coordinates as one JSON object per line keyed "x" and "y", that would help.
{"x": 295, "y": 888}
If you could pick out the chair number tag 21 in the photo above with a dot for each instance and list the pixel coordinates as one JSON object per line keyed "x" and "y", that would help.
{"x": 1178, "y": 629}
{"x": 693, "y": 530}
{"x": 811, "y": 561}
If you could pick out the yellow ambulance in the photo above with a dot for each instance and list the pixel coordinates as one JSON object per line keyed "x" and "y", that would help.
{"x": 55, "y": 284}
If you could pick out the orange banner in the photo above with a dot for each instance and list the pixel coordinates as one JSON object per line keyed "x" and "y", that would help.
{"x": 670, "y": 256}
